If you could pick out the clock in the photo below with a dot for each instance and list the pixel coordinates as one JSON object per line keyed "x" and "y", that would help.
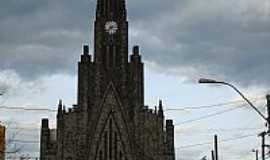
{"x": 111, "y": 27}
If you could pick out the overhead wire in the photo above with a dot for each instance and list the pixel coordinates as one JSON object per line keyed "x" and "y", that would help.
{"x": 177, "y": 124}
{"x": 210, "y": 115}
{"x": 28, "y": 109}
{"x": 25, "y": 129}
{"x": 24, "y": 141}
{"x": 232, "y": 129}
{"x": 211, "y": 106}
{"x": 184, "y": 122}
{"x": 221, "y": 141}
{"x": 178, "y": 148}
{"x": 217, "y": 130}
{"x": 168, "y": 109}
{"x": 204, "y": 131}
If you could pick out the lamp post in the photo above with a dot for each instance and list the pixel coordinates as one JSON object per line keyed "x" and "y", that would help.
{"x": 256, "y": 153}
{"x": 267, "y": 119}
{"x": 211, "y": 81}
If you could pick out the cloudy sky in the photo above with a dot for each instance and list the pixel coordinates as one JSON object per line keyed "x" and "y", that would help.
{"x": 181, "y": 41}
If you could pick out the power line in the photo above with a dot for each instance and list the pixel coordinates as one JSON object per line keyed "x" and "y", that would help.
{"x": 211, "y": 106}
{"x": 169, "y": 109}
{"x": 26, "y": 129}
{"x": 233, "y": 129}
{"x": 21, "y": 129}
{"x": 196, "y": 130}
{"x": 181, "y": 147}
{"x": 184, "y": 122}
{"x": 24, "y": 141}
{"x": 222, "y": 141}
{"x": 19, "y": 158}
{"x": 205, "y": 131}
{"x": 28, "y": 109}
{"x": 209, "y": 115}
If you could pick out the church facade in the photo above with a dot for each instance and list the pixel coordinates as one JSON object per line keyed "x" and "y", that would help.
{"x": 110, "y": 120}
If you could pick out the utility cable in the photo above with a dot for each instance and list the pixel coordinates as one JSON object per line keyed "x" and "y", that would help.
{"x": 23, "y": 141}
{"x": 210, "y": 106}
{"x": 28, "y": 109}
{"x": 209, "y": 115}
{"x": 169, "y": 109}
{"x": 220, "y": 130}
{"x": 221, "y": 141}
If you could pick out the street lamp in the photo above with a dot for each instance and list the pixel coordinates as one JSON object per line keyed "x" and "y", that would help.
{"x": 257, "y": 153}
{"x": 267, "y": 119}
{"x": 211, "y": 81}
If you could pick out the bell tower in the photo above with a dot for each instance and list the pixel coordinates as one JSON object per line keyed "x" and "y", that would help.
{"x": 111, "y": 47}
{"x": 110, "y": 120}
{"x": 111, "y": 35}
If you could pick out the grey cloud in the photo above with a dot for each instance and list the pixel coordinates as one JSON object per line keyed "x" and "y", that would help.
{"x": 11, "y": 84}
{"x": 223, "y": 39}
{"x": 44, "y": 37}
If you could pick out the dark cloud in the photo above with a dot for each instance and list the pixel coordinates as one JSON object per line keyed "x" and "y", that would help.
{"x": 223, "y": 39}
{"x": 43, "y": 37}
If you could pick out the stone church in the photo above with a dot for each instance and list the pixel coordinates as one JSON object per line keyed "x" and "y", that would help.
{"x": 110, "y": 120}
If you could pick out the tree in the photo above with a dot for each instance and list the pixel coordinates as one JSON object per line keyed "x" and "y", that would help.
{"x": 13, "y": 148}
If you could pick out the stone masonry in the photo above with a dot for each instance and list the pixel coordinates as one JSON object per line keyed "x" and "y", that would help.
{"x": 110, "y": 120}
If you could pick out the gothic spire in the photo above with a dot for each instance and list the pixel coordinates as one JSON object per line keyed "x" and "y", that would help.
{"x": 60, "y": 108}
{"x": 111, "y": 9}
{"x": 160, "y": 109}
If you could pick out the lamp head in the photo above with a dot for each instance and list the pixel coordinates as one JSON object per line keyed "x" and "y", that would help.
{"x": 204, "y": 80}
{"x": 268, "y": 97}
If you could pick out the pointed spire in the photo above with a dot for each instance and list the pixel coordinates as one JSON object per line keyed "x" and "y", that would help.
{"x": 160, "y": 104}
{"x": 268, "y": 104}
{"x": 99, "y": 8}
{"x": 60, "y": 102}
{"x": 60, "y": 105}
{"x": 123, "y": 8}
{"x": 85, "y": 57}
{"x": 111, "y": 8}
{"x": 64, "y": 109}
{"x": 268, "y": 99}
{"x": 45, "y": 123}
{"x": 160, "y": 109}
{"x": 136, "y": 50}
{"x": 85, "y": 50}
{"x": 268, "y": 110}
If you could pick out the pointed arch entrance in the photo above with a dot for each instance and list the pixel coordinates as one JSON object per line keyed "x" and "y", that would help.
{"x": 111, "y": 138}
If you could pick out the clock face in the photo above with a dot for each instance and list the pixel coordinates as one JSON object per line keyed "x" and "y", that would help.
{"x": 111, "y": 27}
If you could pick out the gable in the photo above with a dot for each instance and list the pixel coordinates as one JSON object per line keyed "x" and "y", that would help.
{"x": 112, "y": 135}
